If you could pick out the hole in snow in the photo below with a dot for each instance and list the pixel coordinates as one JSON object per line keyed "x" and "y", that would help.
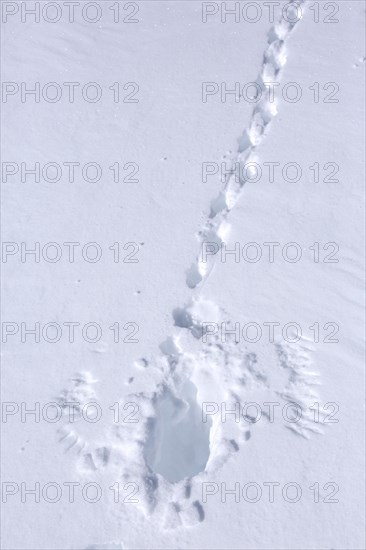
{"x": 178, "y": 445}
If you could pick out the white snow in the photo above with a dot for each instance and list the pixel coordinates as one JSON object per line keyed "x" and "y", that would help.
{"x": 189, "y": 329}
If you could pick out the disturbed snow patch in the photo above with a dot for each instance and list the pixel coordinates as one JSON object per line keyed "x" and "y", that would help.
{"x": 173, "y": 443}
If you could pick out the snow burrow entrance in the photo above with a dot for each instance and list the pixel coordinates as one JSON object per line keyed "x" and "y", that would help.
{"x": 178, "y": 444}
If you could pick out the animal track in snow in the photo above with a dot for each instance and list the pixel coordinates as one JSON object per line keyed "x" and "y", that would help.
{"x": 301, "y": 386}
{"x": 72, "y": 400}
{"x": 216, "y": 228}
{"x": 170, "y": 451}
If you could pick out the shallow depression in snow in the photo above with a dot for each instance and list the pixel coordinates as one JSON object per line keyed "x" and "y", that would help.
{"x": 178, "y": 443}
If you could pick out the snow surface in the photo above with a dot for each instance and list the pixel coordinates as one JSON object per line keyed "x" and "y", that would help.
{"x": 172, "y": 470}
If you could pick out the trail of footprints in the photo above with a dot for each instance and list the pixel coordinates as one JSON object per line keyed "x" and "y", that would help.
{"x": 216, "y": 229}
{"x": 170, "y": 450}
